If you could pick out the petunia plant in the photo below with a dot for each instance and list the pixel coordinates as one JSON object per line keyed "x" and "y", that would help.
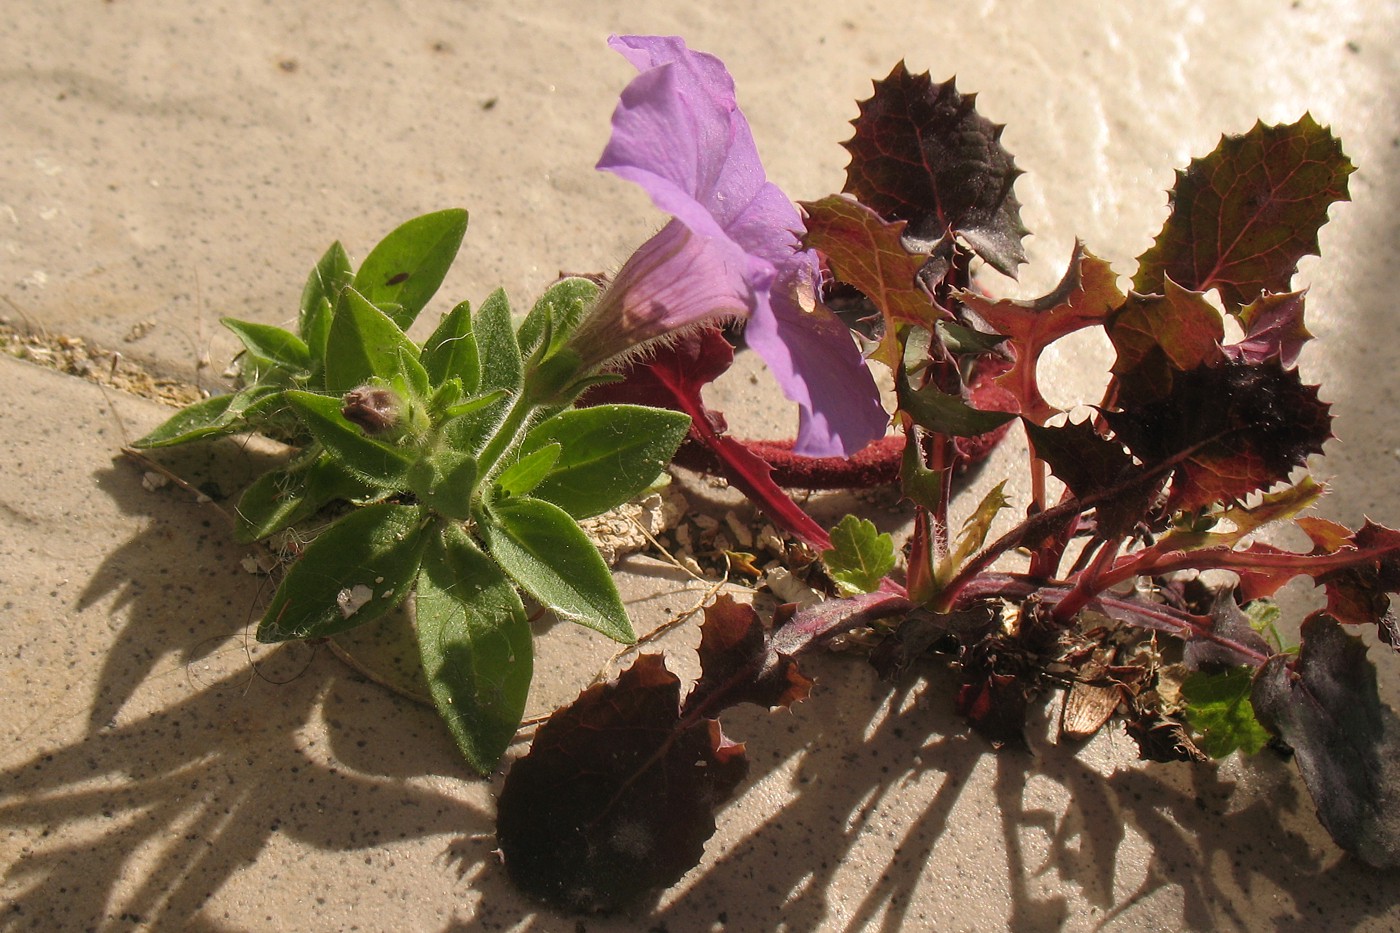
{"x": 456, "y": 469}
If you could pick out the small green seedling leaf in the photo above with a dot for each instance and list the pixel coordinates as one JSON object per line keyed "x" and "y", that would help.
{"x": 860, "y": 556}
{"x": 974, "y": 532}
{"x": 364, "y": 343}
{"x": 451, "y": 352}
{"x": 501, "y": 363}
{"x": 476, "y": 648}
{"x": 610, "y": 454}
{"x": 279, "y": 347}
{"x": 354, "y": 572}
{"x": 404, "y": 271}
{"x": 1219, "y": 708}
{"x": 550, "y": 557}
{"x": 380, "y": 464}
{"x": 525, "y": 474}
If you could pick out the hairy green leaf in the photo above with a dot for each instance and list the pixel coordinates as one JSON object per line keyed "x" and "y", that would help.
{"x": 526, "y": 473}
{"x": 364, "y": 343}
{"x": 404, "y": 271}
{"x": 211, "y": 417}
{"x": 550, "y": 557}
{"x": 451, "y": 352}
{"x": 608, "y": 455}
{"x": 557, "y": 313}
{"x": 354, "y": 572}
{"x": 281, "y": 498}
{"x": 318, "y": 300}
{"x": 380, "y": 464}
{"x": 475, "y": 644}
{"x": 279, "y": 347}
{"x": 501, "y": 364}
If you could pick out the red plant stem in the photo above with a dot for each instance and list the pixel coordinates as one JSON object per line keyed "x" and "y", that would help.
{"x": 1152, "y": 616}
{"x": 1145, "y": 563}
{"x": 1089, "y": 582}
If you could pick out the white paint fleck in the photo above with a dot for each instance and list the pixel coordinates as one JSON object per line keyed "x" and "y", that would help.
{"x": 352, "y": 598}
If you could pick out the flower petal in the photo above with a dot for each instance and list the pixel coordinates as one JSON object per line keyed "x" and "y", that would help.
{"x": 810, "y": 354}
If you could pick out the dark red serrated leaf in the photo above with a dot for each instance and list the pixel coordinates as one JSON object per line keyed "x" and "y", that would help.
{"x": 1226, "y": 431}
{"x": 1086, "y": 295}
{"x": 1157, "y": 336}
{"x": 1243, "y": 216}
{"x": 1092, "y": 465}
{"x": 740, "y": 664}
{"x": 921, "y": 153}
{"x": 673, "y": 377}
{"x": 1347, "y": 744}
{"x": 617, "y": 794}
{"x": 867, "y": 252}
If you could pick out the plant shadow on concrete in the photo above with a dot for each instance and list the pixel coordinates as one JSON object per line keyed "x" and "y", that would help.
{"x": 190, "y": 767}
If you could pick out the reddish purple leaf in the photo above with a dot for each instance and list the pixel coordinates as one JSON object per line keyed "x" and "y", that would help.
{"x": 739, "y": 664}
{"x": 1325, "y": 704}
{"x": 1273, "y": 328}
{"x": 1243, "y": 216}
{"x": 1086, "y": 295}
{"x": 617, "y": 794}
{"x": 1157, "y": 336}
{"x": 869, "y": 253}
{"x": 921, "y": 153}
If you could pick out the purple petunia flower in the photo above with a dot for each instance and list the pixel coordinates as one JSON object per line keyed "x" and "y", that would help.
{"x": 731, "y": 251}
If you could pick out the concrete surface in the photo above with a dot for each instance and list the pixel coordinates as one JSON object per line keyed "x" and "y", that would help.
{"x": 165, "y": 163}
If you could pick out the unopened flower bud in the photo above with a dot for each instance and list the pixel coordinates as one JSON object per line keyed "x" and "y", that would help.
{"x": 373, "y": 408}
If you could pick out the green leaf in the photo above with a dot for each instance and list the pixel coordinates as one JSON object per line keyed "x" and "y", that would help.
{"x": 406, "y": 268}
{"x": 380, "y": 464}
{"x": 1243, "y": 216}
{"x": 451, "y": 352}
{"x": 610, "y": 453}
{"x": 364, "y": 343}
{"x": 947, "y": 414}
{"x": 219, "y": 414}
{"x": 445, "y": 482}
{"x": 557, "y": 313}
{"x": 1219, "y": 708}
{"x": 201, "y": 419}
{"x": 318, "y": 300}
{"x": 860, "y": 556}
{"x": 280, "y": 347}
{"x": 281, "y": 498}
{"x": 475, "y": 644}
{"x": 501, "y": 363}
{"x": 550, "y": 557}
{"x": 974, "y": 532}
{"x": 354, "y": 572}
{"x": 525, "y": 474}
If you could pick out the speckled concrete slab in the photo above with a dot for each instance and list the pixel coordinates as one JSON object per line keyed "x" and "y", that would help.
{"x": 167, "y": 164}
